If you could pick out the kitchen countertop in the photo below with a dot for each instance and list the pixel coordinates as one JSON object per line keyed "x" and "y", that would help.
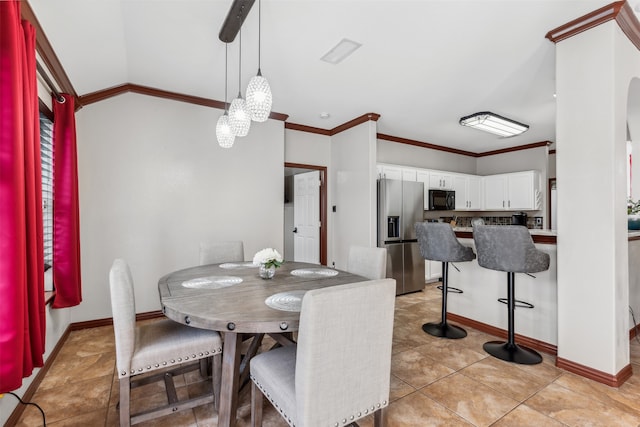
{"x": 463, "y": 231}
{"x": 538, "y": 235}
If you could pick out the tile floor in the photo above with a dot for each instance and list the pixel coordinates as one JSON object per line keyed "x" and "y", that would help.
{"x": 434, "y": 382}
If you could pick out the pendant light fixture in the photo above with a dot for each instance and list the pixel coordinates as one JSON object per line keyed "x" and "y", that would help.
{"x": 224, "y": 134}
{"x": 239, "y": 118}
{"x": 259, "y": 98}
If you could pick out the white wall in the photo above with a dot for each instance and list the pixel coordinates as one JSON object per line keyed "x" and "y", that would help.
{"x": 353, "y": 157}
{"x": 154, "y": 183}
{"x": 514, "y": 161}
{"x": 411, "y": 155}
{"x": 593, "y": 71}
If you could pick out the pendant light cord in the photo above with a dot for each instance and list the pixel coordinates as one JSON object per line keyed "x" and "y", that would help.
{"x": 240, "y": 66}
{"x": 226, "y": 66}
{"x": 259, "y": 32}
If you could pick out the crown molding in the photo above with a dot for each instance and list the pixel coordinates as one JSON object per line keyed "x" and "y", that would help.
{"x": 620, "y": 11}
{"x": 330, "y": 132}
{"x": 103, "y": 94}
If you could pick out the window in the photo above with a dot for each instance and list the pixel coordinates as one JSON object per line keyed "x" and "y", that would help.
{"x": 46, "y": 153}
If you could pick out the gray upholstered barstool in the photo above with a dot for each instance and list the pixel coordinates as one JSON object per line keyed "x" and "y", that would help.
{"x": 509, "y": 248}
{"x": 438, "y": 242}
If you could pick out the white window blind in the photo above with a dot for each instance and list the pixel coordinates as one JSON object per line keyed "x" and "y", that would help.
{"x": 46, "y": 153}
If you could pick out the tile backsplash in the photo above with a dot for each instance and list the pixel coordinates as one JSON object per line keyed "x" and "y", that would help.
{"x": 465, "y": 221}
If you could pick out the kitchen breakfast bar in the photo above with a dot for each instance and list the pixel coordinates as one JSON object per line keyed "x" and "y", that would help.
{"x": 478, "y": 305}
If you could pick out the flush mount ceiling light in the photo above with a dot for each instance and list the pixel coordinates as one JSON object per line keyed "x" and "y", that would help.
{"x": 493, "y": 123}
{"x": 340, "y": 51}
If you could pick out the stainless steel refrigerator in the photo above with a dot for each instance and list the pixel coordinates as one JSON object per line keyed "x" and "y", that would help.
{"x": 400, "y": 206}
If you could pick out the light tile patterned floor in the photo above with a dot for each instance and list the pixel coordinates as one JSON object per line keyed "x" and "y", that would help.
{"x": 434, "y": 382}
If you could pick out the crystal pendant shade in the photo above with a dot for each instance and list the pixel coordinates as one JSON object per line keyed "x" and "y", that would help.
{"x": 239, "y": 118}
{"x": 224, "y": 134}
{"x": 259, "y": 98}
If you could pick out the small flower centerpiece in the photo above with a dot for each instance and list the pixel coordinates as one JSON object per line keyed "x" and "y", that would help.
{"x": 633, "y": 214}
{"x": 268, "y": 259}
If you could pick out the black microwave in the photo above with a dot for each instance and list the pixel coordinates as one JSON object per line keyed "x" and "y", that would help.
{"x": 442, "y": 200}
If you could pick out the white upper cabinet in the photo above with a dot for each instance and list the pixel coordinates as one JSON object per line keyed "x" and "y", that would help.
{"x": 396, "y": 172}
{"x": 408, "y": 174}
{"x": 474, "y": 195}
{"x": 513, "y": 191}
{"x": 389, "y": 172}
{"x": 524, "y": 191}
{"x": 508, "y": 191}
{"x": 495, "y": 188}
{"x": 460, "y": 187}
{"x": 440, "y": 181}
{"x": 467, "y": 188}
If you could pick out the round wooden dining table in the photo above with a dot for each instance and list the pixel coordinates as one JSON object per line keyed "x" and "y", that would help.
{"x": 231, "y": 298}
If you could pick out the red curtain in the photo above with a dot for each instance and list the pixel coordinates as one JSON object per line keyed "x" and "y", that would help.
{"x": 22, "y": 311}
{"x": 66, "y": 223}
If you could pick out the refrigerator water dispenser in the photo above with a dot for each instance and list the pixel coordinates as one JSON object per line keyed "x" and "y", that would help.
{"x": 393, "y": 227}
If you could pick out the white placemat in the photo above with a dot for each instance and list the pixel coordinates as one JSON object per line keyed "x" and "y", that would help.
{"x": 212, "y": 282}
{"x": 286, "y": 301}
{"x": 247, "y": 264}
{"x": 315, "y": 272}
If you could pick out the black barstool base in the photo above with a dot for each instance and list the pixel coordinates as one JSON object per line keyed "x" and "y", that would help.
{"x": 512, "y": 353}
{"x": 444, "y": 330}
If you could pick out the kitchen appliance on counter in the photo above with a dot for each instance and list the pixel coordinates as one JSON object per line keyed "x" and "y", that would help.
{"x": 400, "y": 206}
{"x": 519, "y": 218}
{"x": 442, "y": 200}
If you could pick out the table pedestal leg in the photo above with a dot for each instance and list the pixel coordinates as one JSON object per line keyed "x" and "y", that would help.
{"x": 229, "y": 385}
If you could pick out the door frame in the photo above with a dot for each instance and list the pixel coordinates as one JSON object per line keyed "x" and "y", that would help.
{"x": 550, "y": 183}
{"x": 323, "y": 205}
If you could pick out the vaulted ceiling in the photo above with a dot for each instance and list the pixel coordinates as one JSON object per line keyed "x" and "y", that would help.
{"x": 422, "y": 64}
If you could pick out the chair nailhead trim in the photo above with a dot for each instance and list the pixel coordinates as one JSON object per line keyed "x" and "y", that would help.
{"x": 264, "y": 392}
{"x": 344, "y": 420}
{"x": 165, "y": 362}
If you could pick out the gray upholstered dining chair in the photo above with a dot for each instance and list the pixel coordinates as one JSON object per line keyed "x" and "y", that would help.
{"x": 367, "y": 262}
{"x": 510, "y": 248}
{"x": 438, "y": 242}
{"x": 219, "y": 252}
{"x": 335, "y": 378}
{"x": 156, "y": 346}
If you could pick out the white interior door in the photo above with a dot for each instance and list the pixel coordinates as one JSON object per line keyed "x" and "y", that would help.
{"x": 306, "y": 217}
